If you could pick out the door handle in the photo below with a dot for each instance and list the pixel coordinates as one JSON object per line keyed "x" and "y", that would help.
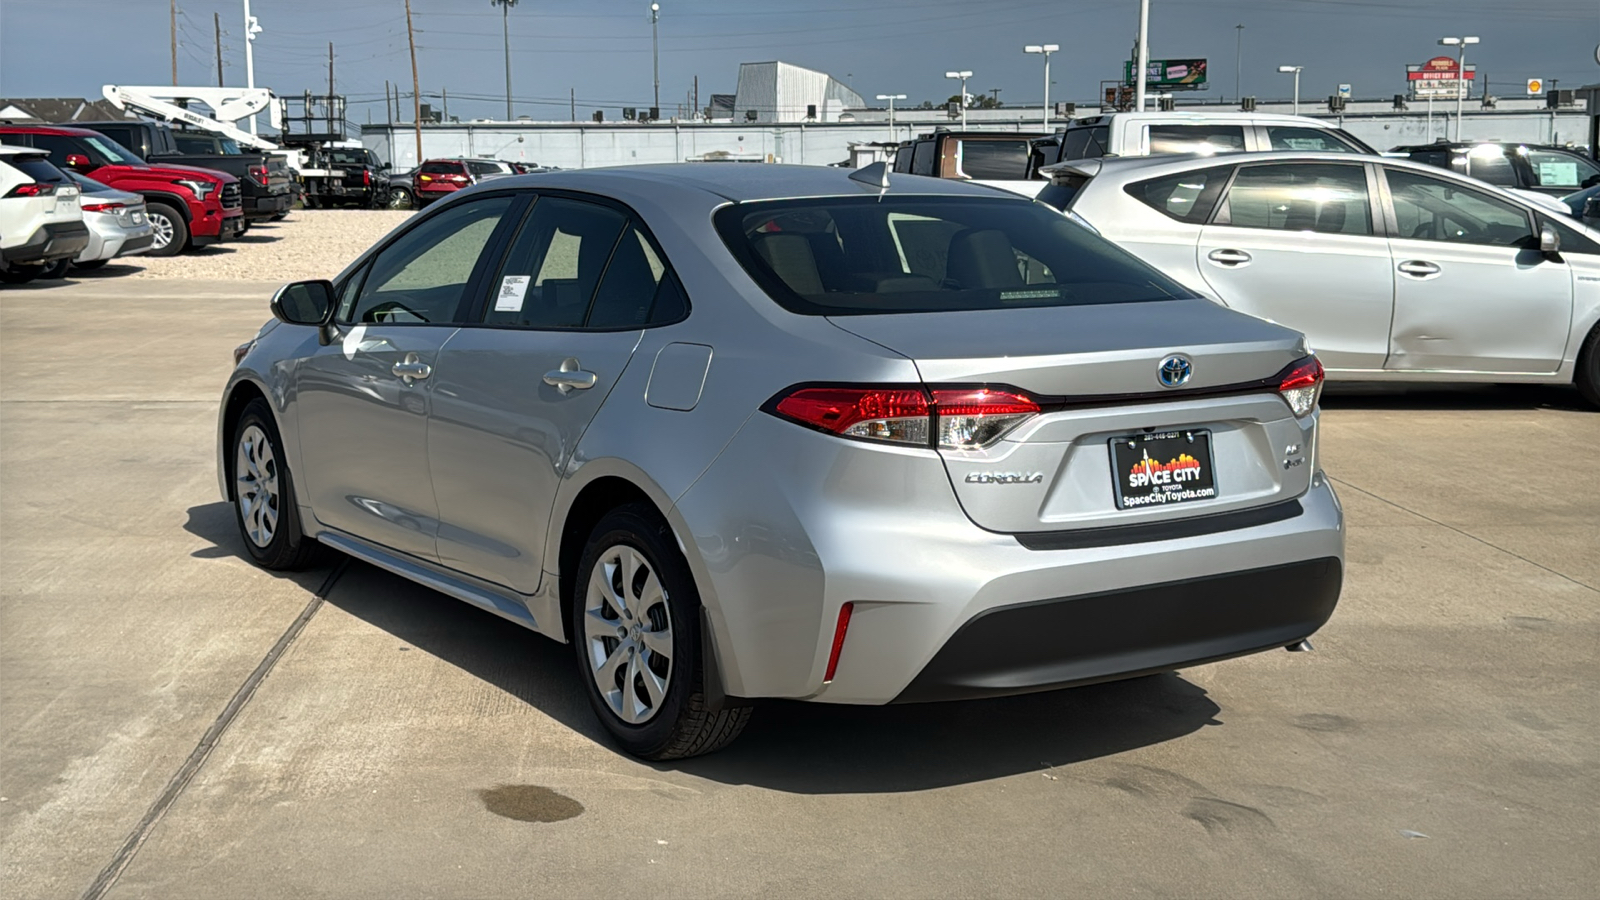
{"x": 1229, "y": 257}
{"x": 570, "y": 377}
{"x": 411, "y": 369}
{"x": 1419, "y": 268}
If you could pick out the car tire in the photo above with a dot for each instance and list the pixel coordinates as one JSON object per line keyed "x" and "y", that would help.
{"x": 55, "y": 269}
{"x": 263, "y": 492}
{"x": 172, "y": 233}
{"x": 649, "y": 693}
{"x": 400, "y": 198}
{"x": 91, "y": 265}
{"x": 1587, "y": 376}
{"x": 20, "y": 274}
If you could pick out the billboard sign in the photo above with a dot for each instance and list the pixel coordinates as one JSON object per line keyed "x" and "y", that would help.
{"x": 1440, "y": 78}
{"x": 1170, "y": 74}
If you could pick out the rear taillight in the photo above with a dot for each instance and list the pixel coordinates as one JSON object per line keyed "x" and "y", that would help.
{"x": 104, "y": 207}
{"x": 259, "y": 173}
{"x": 33, "y": 189}
{"x": 947, "y": 418}
{"x": 459, "y": 179}
{"x": 366, "y": 177}
{"x": 1301, "y": 386}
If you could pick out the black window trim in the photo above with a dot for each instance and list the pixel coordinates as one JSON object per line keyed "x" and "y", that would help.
{"x": 473, "y": 316}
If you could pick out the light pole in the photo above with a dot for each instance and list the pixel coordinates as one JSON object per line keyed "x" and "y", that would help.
{"x": 1460, "y": 43}
{"x": 962, "y": 77}
{"x": 1141, "y": 58}
{"x": 891, "y": 98}
{"x": 1238, "y": 60}
{"x": 505, "y": 28}
{"x": 1045, "y": 49}
{"x": 251, "y": 29}
{"x": 1296, "y": 71}
{"x": 655, "y": 52}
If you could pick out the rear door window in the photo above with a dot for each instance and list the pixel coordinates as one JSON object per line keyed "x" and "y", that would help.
{"x": 1325, "y": 198}
{"x": 555, "y": 263}
{"x": 1205, "y": 139}
{"x": 1188, "y": 197}
{"x": 994, "y": 160}
{"x": 1298, "y": 137}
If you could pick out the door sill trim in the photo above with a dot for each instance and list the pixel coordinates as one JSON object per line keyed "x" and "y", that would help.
{"x": 538, "y": 612}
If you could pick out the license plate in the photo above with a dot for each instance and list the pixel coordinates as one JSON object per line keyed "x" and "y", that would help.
{"x": 1163, "y": 467}
{"x": 138, "y": 218}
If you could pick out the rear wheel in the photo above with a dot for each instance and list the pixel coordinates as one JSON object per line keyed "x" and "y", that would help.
{"x": 56, "y": 269}
{"x": 263, "y": 493}
{"x": 1587, "y": 376}
{"x": 400, "y": 198}
{"x": 635, "y": 618}
{"x": 171, "y": 233}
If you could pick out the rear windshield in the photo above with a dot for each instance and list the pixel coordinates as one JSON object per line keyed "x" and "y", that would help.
{"x": 37, "y": 168}
{"x": 867, "y": 256}
{"x": 442, "y": 168}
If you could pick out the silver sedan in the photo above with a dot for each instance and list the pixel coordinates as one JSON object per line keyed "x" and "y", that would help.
{"x": 743, "y": 432}
{"x": 1394, "y": 270}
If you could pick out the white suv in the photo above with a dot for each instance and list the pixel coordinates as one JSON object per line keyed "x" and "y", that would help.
{"x": 1202, "y": 133}
{"x": 40, "y": 221}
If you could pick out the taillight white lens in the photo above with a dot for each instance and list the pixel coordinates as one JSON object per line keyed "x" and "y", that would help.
{"x": 975, "y": 419}
{"x": 894, "y": 415}
{"x": 1302, "y": 386}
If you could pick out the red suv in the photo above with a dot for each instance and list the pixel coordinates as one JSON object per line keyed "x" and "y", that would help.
{"x": 187, "y": 206}
{"x": 438, "y": 178}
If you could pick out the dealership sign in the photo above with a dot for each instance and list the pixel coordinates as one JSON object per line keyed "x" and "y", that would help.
{"x": 1440, "y": 77}
{"x": 1170, "y": 74}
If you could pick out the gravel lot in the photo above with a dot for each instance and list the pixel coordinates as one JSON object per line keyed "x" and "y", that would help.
{"x": 308, "y": 244}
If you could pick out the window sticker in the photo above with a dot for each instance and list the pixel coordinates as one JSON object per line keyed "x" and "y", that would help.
{"x": 513, "y": 288}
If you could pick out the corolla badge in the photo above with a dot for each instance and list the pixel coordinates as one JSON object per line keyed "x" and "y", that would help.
{"x": 1005, "y": 477}
{"x": 1174, "y": 371}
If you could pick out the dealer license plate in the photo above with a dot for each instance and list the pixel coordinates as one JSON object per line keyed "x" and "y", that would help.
{"x": 1162, "y": 467}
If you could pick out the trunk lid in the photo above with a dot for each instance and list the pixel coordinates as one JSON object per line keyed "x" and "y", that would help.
{"x": 1093, "y": 369}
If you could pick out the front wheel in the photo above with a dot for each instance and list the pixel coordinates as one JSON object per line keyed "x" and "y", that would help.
{"x": 171, "y": 232}
{"x": 1587, "y": 376}
{"x": 635, "y": 618}
{"x": 263, "y": 493}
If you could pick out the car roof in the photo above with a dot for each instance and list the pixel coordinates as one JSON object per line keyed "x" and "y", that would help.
{"x": 745, "y": 182}
{"x": 46, "y": 129}
{"x": 1463, "y": 145}
{"x": 1220, "y": 116}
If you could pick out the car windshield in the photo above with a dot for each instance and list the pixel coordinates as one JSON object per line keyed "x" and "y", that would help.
{"x": 348, "y": 157}
{"x": 872, "y": 255}
{"x": 112, "y": 150}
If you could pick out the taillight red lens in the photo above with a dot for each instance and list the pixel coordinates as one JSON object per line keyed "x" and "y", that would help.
{"x": 898, "y": 415}
{"x": 838, "y": 641}
{"x": 259, "y": 173}
{"x": 103, "y": 207}
{"x": 974, "y": 419}
{"x": 32, "y": 189}
{"x": 1302, "y": 386}
{"x": 950, "y": 418}
{"x": 366, "y": 177}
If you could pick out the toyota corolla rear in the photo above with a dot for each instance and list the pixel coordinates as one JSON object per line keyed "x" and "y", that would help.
{"x": 1047, "y": 464}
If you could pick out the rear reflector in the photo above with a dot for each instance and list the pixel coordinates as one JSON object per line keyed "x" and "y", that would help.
{"x": 949, "y": 418}
{"x": 1302, "y": 386}
{"x": 838, "y": 641}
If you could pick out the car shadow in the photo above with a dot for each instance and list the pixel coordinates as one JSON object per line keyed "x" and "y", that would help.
{"x": 789, "y": 746}
{"x": 214, "y": 523}
{"x": 1384, "y": 395}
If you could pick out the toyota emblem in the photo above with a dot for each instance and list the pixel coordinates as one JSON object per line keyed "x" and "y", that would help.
{"x": 1174, "y": 371}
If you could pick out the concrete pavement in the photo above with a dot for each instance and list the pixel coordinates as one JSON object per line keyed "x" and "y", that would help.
{"x": 1440, "y": 742}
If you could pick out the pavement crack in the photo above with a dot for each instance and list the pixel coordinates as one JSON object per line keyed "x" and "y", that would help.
{"x": 1466, "y": 534}
{"x": 208, "y": 741}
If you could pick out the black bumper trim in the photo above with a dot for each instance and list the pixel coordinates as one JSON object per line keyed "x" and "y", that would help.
{"x": 53, "y": 241}
{"x": 1083, "y": 538}
{"x": 1092, "y": 638}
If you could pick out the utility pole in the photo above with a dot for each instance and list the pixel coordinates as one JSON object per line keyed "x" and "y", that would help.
{"x": 330, "y": 73}
{"x": 572, "y": 98}
{"x": 694, "y": 113}
{"x": 505, "y": 31}
{"x": 172, "y": 16}
{"x": 387, "y": 109}
{"x": 216, "y": 23}
{"x": 444, "y": 98}
{"x": 416, "y": 84}
{"x": 1142, "y": 58}
{"x": 655, "y": 50}
{"x": 1238, "y": 60}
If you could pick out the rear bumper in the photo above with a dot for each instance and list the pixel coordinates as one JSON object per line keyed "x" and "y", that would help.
{"x": 1126, "y": 633}
{"x": 267, "y": 206}
{"x": 51, "y": 242}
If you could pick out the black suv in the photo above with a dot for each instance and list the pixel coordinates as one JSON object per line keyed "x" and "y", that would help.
{"x": 1556, "y": 171}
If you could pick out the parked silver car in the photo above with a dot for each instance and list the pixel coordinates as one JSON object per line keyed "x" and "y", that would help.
{"x": 116, "y": 220}
{"x": 739, "y": 432}
{"x": 1394, "y": 270}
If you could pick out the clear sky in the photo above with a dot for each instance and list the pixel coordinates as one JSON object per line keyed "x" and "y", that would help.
{"x": 601, "y": 49}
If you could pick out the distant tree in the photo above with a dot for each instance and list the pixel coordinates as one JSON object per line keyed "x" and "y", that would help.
{"x": 926, "y": 104}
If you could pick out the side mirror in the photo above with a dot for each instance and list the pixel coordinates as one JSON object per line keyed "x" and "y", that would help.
{"x": 1549, "y": 240}
{"x": 385, "y": 166}
{"x": 304, "y": 302}
{"x": 78, "y": 161}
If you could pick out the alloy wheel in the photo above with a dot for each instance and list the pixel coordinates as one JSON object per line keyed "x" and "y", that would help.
{"x": 162, "y": 227}
{"x": 255, "y": 472}
{"x": 627, "y": 630}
